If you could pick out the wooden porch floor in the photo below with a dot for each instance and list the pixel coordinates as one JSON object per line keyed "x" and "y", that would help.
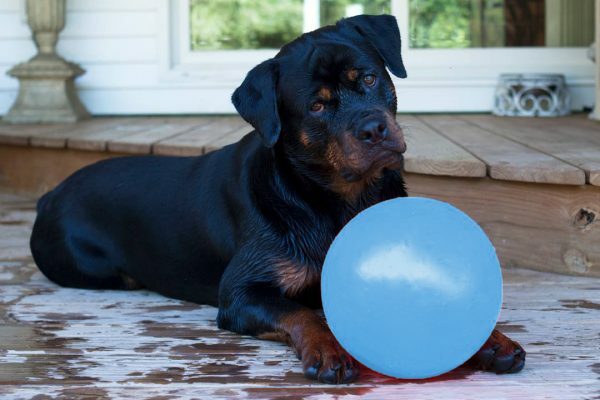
{"x": 533, "y": 184}
{"x": 555, "y": 151}
{"x": 68, "y": 343}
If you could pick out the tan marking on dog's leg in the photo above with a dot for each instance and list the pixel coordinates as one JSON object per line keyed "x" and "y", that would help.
{"x": 293, "y": 278}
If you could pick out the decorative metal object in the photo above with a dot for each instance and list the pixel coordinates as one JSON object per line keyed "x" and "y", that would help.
{"x": 532, "y": 95}
{"x": 46, "y": 82}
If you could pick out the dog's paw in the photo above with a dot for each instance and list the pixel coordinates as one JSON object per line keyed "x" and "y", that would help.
{"x": 499, "y": 354}
{"x": 327, "y": 362}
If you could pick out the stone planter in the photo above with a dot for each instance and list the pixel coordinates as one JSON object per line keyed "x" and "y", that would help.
{"x": 46, "y": 82}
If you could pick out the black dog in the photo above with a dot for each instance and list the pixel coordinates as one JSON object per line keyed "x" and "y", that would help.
{"x": 247, "y": 227}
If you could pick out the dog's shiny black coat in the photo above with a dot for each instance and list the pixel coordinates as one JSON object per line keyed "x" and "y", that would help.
{"x": 174, "y": 225}
{"x": 247, "y": 227}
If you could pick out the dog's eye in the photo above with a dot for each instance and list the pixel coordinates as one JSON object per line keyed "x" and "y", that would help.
{"x": 369, "y": 79}
{"x": 317, "y": 107}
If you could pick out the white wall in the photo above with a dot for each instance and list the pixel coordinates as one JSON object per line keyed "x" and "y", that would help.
{"x": 115, "y": 41}
{"x": 130, "y": 51}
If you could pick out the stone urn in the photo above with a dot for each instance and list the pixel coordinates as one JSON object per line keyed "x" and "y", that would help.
{"x": 47, "y": 91}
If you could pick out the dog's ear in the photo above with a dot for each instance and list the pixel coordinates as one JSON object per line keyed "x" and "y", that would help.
{"x": 383, "y": 34}
{"x": 256, "y": 101}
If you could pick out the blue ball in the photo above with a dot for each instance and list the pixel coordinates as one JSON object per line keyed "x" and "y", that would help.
{"x": 411, "y": 287}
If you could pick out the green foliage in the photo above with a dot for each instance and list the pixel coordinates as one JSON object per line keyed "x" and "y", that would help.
{"x": 439, "y": 23}
{"x": 244, "y": 24}
{"x": 258, "y": 24}
{"x": 333, "y": 10}
{"x": 456, "y": 23}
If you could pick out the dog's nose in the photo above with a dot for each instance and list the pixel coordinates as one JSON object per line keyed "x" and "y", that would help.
{"x": 373, "y": 131}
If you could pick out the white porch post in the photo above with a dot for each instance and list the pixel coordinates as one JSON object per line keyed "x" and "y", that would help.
{"x": 596, "y": 113}
{"x": 312, "y": 15}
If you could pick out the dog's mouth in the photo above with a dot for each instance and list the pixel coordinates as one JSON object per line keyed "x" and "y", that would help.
{"x": 386, "y": 159}
{"x": 355, "y": 157}
{"x": 365, "y": 162}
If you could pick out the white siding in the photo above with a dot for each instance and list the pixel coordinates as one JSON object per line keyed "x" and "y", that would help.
{"x": 131, "y": 69}
{"x": 115, "y": 41}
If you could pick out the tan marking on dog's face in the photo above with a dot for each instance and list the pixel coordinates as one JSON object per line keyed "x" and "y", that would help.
{"x": 349, "y": 154}
{"x": 325, "y": 93}
{"x": 304, "y": 139}
{"x": 334, "y": 155}
{"x": 351, "y": 191}
{"x": 337, "y": 159}
{"x": 293, "y": 277}
{"x": 352, "y": 74}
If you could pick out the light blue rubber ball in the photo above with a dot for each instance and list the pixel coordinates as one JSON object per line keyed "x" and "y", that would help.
{"x": 411, "y": 287}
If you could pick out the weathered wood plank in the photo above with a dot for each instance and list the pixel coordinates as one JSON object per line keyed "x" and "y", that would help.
{"x": 98, "y": 139}
{"x": 142, "y": 142}
{"x": 58, "y": 138}
{"x": 114, "y": 339}
{"x": 193, "y": 142}
{"x": 37, "y": 169}
{"x": 229, "y": 138}
{"x": 70, "y": 343}
{"x": 506, "y": 159}
{"x": 575, "y": 146}
{"x": 545, "y": 227}
{"x": 19, "y": 134}
{"x": 433, "y": 154}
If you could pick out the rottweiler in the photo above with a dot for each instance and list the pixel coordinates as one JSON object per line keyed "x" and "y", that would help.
{"x": 246, "y": 228}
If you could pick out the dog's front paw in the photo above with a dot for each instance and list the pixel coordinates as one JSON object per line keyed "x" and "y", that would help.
{"x": 326, "y": 361}
{"x": 499, "y": 354}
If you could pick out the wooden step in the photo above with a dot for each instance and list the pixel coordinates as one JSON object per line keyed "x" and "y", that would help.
{"x": 556, "y": 151}
{"x": 533, "y": 184}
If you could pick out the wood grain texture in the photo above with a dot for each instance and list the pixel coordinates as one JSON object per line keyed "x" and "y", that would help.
{"x": 58, "y": 138}
{"x": 230, "y": 138}
{"x": 20, "y": 134}
{"x": 37, "y": 170}
{"x": 545, "y": 227}
{"x": 98, "y": 139}
{"x": 66, "y": 343}
{"x": 430, "y": 153}
{"x": 575, "y": 145}
{"x": 574, "y": 125}
{"x": 506, "y": 159}
{"x": 437, "y": 145}
{"x": 194, "y": 141}
{"x": 142, "y": 142}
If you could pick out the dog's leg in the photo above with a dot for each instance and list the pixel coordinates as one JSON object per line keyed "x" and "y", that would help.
{"x": 261, "y": 310}
{"x": 499, "y": 354}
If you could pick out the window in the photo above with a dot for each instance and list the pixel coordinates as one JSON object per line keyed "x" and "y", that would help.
{"x": 216, "y": 42}
{"x": 249, "y": 24}
{"x": 266, "y": 24}
{"x": 501, "y": 23}
{"x": 454, "y": 50}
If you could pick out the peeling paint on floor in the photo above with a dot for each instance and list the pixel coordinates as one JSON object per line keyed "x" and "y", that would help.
{"x": 60, "y": 343}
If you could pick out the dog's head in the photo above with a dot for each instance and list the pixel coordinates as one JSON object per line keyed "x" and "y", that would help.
{"x": 327, "y": 101}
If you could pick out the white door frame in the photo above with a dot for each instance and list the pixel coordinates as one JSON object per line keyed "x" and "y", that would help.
{"x": 439, "y": 80}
